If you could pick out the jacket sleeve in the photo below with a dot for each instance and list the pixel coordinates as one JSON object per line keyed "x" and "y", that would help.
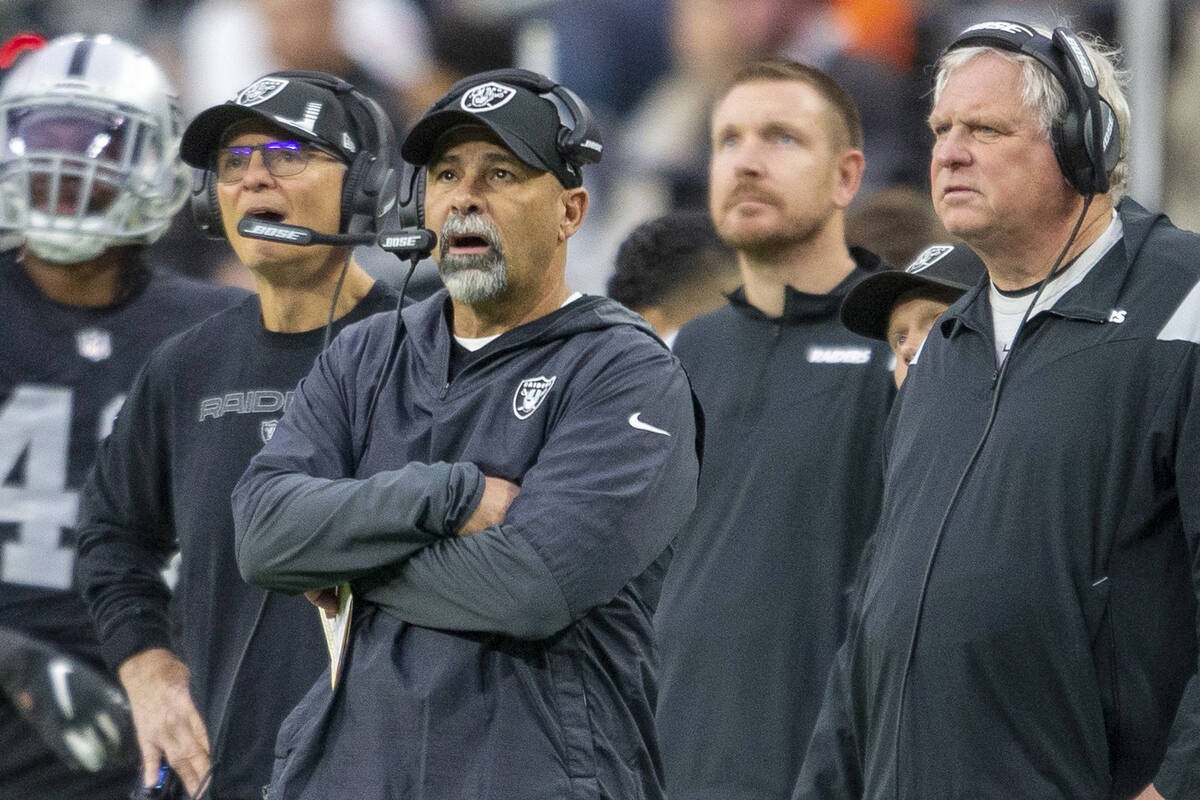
{"x": 831, "y": 770}
{"x": 832, "y": 767}
{"x": 125, "y": 531}
{"x": 601, "y": 503}
{"x": 1179, "y": 775}
{"x": 300, "y": 521}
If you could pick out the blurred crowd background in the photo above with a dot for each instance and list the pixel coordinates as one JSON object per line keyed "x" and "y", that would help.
{"x": 648, "y": 68}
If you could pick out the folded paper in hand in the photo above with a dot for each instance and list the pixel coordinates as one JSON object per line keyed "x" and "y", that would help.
{"x": 337, "y": 632}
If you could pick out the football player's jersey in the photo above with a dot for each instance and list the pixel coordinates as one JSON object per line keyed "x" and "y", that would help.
{"x": 64, "y": 371}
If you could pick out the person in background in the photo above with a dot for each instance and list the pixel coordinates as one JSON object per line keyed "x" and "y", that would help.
{"x": 1027, "y": 624}
{"x": 89, "y": 175}
{"x": 754, "y": 604}
{"x": 896, "y": 222}
{"x": 900, "y": 307}
{"x": 211, "y": 671}
{"x": 673, "y": 268}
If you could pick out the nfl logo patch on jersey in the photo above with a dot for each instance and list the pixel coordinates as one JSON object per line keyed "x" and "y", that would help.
{"x": 266, "y": 429}
{"x": 93, "y": 344}
{"x": 530, "y": 394}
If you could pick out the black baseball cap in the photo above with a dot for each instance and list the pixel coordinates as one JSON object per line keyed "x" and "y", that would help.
{"x": 525, "y": 121}
{"x": 311, "y": 112}
{"x": 941, "y": 270}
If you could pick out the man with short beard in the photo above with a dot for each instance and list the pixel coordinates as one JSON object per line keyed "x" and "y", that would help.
{"x": 753, "y": 606}
{"x": 498, "y": 474}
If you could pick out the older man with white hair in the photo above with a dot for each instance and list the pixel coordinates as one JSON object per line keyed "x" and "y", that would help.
{"x": 1027, "y": 626}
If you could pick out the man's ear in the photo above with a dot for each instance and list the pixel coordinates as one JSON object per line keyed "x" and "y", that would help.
{"x": 575, "y": 206}
{"x": 850, "y": 167}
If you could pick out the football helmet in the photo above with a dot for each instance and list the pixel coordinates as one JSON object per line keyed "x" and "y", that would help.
{"x": 89, "y": 148}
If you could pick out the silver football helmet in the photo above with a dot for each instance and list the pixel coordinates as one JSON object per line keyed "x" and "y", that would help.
{"x": 89, "y": 148}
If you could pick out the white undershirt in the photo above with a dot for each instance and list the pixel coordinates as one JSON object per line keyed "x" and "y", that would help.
{"x": 1008, "y": 311}
{"x": 483, "y": 341}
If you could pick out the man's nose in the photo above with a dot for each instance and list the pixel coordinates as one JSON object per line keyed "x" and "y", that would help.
{"x": 951, "y": 149}
{"x": 257, "y": 173}
{"x": 467, "y": 198}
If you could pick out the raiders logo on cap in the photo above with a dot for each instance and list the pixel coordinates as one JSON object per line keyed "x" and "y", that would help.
{"x": 928, "y": 258}
{"x": 260, "y": 91}
{"x": 486, "y": 97}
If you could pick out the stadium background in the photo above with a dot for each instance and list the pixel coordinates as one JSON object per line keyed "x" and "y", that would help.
{"x": 648, "y": 68}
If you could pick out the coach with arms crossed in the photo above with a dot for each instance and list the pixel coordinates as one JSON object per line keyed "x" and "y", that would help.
{"x": 498, "y": 650}
{"x": 1027, "y": 627}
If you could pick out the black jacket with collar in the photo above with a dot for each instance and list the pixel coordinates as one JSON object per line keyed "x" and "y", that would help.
{"x": 756, "y": 601}
{"x": 1027, "y": 625}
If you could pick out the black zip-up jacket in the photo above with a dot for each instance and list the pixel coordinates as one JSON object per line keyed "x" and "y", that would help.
{"x": 757, "y": 598}
{"x": 1028, "y": 621}
{"x": 516, "y": 662}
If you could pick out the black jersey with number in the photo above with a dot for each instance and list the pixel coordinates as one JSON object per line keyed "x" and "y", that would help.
{"x": 64, "y": 371}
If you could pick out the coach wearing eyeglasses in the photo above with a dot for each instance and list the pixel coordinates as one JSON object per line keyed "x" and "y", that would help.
{"x": 210, "y": 682}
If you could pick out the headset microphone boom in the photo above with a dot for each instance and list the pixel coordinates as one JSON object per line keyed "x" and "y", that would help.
{"x": 409, "y": 244}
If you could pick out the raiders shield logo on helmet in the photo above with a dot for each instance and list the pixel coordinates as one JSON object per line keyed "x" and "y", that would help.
{"x": 530, "y": 394}
{"x": 260, "y": 91}
{"x": 487, "y": 97}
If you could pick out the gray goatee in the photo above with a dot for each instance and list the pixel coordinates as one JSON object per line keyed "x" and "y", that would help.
{"x": 475, "y": 277}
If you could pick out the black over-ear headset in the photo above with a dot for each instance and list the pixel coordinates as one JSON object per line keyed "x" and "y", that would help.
{"x": 578, "y": 140}
{"x": 369, "y": 186}
{"x": 1087, "y": 143}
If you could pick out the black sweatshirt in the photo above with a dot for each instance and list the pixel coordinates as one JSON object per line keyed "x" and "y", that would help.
{"x": 203, "y": 406}
{"x": 754, "y": 604}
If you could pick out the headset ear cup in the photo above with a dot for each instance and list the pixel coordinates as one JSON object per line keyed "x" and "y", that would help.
{"x": 411, "y": 212}
{"x": 206, "y": 210}
{"x": 1069, "y": 151}
{"x": 372, "y": 186}
{"x": 352, "y": 198}
{"x": 1110, "y": 136}
{"x": 382, "y": 183}
{"x": 419, "y": 196}
{"x": 578, "y": 138}
{"x": 1072, "y": 140}
{"x": 368, "y": 192}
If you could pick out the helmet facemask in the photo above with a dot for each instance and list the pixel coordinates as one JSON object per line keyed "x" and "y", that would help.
{"x": 81, "y": 172}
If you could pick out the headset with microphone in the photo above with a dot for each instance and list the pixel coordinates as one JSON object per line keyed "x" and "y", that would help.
{"x": 577, "y": 141}
{"x": 368, "y": 188}
{"x": 368, "y": 198}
